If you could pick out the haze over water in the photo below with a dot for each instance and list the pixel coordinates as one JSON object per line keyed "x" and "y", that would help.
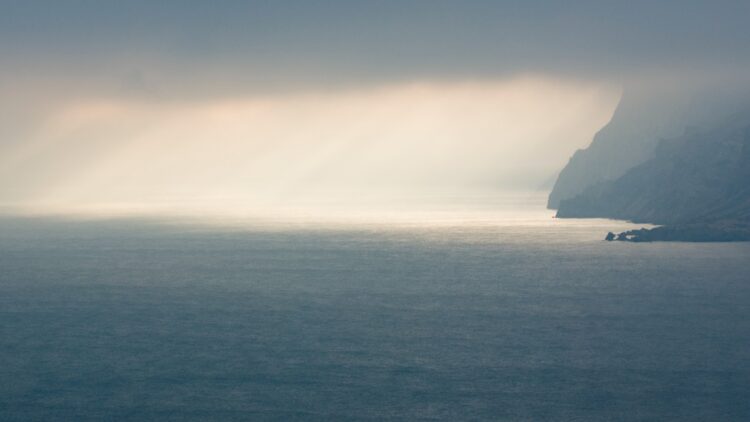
{"x": 466, "y": 313}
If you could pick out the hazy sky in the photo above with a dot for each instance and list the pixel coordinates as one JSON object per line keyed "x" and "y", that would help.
{"x": 183, "y": 47}
{"x": 95, "y": 91}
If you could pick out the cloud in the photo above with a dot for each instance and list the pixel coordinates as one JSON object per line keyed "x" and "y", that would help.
{"x": 160, "y": 68}
{"x": 194, "y": 47}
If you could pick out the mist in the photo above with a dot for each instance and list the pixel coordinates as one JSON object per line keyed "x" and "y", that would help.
{"x": 262, "y": 104}
{"x": 402, "y": 140}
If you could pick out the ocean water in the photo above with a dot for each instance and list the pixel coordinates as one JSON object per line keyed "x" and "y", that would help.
{"x": 469, "y": 317}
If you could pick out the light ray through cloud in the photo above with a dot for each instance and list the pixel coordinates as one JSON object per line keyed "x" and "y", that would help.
{"x": 396, "y": 139}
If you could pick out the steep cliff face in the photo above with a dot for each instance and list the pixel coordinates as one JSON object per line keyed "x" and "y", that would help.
{"x": 646, "y": 114}
{"x": 698, "y": 184}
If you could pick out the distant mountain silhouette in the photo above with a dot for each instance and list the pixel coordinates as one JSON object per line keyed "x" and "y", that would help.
{"x": 646, "y": 115}
{"x": 697, "y": 184}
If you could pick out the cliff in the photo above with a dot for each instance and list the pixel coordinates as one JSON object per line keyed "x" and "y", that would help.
{"x": 696, "y": 184}
{"x": 647, "y": 113}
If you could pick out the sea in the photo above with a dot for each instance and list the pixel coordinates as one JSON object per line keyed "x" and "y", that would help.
{"x": 444, "y": 314}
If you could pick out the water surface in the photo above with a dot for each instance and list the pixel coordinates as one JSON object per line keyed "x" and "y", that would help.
{"x": 461, "y": 318}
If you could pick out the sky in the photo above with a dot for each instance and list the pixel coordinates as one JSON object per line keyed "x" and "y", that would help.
{"x": 112, "y": 100}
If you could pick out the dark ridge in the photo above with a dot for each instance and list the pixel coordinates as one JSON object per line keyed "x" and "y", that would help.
{"x": 696, "y": 185}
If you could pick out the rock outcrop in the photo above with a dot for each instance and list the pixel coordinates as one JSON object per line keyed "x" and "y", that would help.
{"x": 698, "y": 185}
{"x": 647, "y": 114}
